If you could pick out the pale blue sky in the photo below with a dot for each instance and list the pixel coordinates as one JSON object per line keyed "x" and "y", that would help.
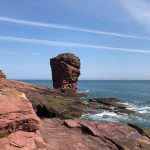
{"x": 111, "y": 37}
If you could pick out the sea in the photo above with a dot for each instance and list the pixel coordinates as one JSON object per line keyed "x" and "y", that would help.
{"x": 135, "y": 94}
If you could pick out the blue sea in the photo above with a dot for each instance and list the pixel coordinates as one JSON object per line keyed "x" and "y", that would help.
{"x": 135, "y": 94}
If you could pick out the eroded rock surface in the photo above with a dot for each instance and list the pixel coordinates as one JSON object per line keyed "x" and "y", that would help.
{"x": 48, "y": 102}
{"x": 65, "y": 71}
{"x": 19, "y": 125}
{"x": 2, "y": 75}
{"x": 91, "y": 135}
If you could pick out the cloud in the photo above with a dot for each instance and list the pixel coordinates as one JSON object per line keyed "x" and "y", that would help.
{"x": 12, "y": 54}
{"x": 70, "y": 28}
{"x": 35, "y": 53}
{"x": 7, "y": 53}
{"x": 139, "y": 10}
{"x": 16, "y": 54}
{"x": 70, "y": 44}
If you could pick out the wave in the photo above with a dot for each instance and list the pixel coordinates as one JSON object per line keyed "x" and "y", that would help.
{"x": 138, "y": 109}
{"x": 105, "y": 116}
{"x": 87, "y": 91}
{"x": 84, "y": 91}
{"x": 120, "y": 118}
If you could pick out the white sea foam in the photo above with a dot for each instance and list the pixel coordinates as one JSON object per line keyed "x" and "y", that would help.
{"x": 143, "y": 110}
{"x": 106, "y": 116}
{"x": 139, "y": 109}
{"x": 106, "y": 113}
{"x": 87, "y": 91}
{"x": 84, "y": 91}
{"x": 115, "y": 117}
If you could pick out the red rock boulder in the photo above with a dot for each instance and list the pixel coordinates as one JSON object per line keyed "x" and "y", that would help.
{"x": 65, "y": 71}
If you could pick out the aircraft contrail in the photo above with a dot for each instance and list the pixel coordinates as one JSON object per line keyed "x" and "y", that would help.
{"x": 69, "y": 44}
{"x": 70, "y": 28}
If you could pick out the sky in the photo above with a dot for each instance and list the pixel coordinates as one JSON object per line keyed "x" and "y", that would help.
{"x": 111, "y": 37}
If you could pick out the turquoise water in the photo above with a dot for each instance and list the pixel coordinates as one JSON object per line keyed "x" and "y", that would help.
{"x": 136, "y": 94}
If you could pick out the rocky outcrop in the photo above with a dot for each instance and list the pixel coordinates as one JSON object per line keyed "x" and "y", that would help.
{"x": 54, "y": 103}
{"x": 19, "y": 125}
{"x": 75, "y": 134}
{"x": 111, "y": 104}
{"x": 48, "y": 102}
{"x": 65, "y": 71}
{"x": 2, "y": 75}
{"x": 20, "y": 128}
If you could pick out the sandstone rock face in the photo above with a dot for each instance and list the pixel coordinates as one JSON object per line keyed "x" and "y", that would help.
{"x": 65, "y": 71}
{"x": 19, "y": 125}
{"x": 2, "y": 75}
{"x": 77, "y": 134}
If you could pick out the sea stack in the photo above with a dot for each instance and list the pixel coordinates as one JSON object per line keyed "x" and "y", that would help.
{"x": 65, "y": 71}
{"x": 2, "y": 75}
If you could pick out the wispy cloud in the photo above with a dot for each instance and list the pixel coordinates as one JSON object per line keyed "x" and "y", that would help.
{"x": 138, "y": 10}
{"x": 12, "y": 54}
{"x": 70, "y": 44}
{"x": 70, "y": 28}
{"x": 35, "y": 53}
{"x": 17, "y": 54}
{"x": 7, "y": 53}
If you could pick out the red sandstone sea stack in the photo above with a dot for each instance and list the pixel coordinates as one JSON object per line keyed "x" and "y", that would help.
{"x": 65, "y": 71}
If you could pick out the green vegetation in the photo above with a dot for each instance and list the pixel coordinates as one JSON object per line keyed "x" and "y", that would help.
{"x": 65, "y": 107}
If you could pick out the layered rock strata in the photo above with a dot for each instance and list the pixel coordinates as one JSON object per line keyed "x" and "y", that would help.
{"x": 19, "y": 125}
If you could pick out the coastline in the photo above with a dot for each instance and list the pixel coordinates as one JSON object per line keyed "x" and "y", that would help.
{"x": 135, "y": 96}
{"x": 88, "y": 128}
{"x": 39, "y": 117}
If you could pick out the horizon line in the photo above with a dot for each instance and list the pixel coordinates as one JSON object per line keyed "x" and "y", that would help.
{"x": 70, "y": 28}
{"x": 84, "y": 79}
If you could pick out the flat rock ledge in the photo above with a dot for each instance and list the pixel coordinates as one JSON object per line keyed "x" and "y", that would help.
{"x": 77, "y": 134}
